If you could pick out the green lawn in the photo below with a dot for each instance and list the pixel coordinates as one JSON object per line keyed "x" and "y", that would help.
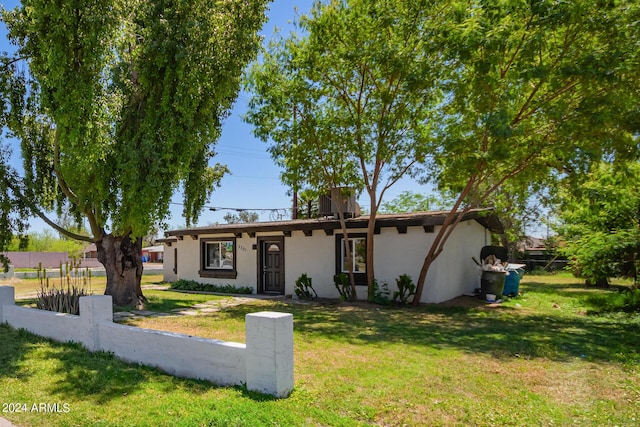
{"x": 545, "y": 358}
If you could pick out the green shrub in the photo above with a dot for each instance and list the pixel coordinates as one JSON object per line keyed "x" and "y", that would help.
{"x": 192, "y": 285}
{"x": 304, "y": 288}
{"x": 406, "y": 289}
{"x": 381, "y": 293}
{"x": 341, "y": 281}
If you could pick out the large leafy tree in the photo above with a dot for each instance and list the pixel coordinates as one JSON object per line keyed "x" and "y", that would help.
{"x": 534, "y": 87}
{"x": 347, "y": 100}
{"x": 116, "y": 105}
{"x": 600, "y": 222}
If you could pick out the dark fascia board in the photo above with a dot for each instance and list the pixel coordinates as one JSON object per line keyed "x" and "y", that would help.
{"x": 167, "y": 240}
{"x": 483, "y": 216}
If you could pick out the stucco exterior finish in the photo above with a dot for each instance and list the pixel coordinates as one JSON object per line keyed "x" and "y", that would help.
{"x": 264, "y": 363}
{"x": 453, "y": 273}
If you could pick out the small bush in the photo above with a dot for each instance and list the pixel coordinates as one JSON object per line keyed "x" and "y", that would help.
{"x": 192, "y": 285}
{"x": 406, "y": 289}
{"x": 304, "y": 288}
{"x": 381, "y": 293}
{"x": 344, "y": 287}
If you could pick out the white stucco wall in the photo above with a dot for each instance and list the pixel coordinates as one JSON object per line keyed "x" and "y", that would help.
{"x": 451, "y": 275}
{"x": 264, "y": 363}
{"x": 315, "y": 256}
{"x": 169, "y": 263}
{"x": 189, "y": 261}
{"x": 455, "y": 273}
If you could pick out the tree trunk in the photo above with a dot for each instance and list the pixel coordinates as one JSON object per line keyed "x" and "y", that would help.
{"x": 348, "y": 253}
{"x": 122, "y": 260}
{"x": 336, "y": 196}
{"x": 450, "y": 223}
{"x": 422, "y": 277}
{"x": 371, "y": 276}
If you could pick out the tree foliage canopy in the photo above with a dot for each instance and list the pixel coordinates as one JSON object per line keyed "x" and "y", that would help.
{"x": 600, "y": 222}
{"x": 478, "y": 93}
{"x": 534, "y": 89}
{"x": 536, "y": 85}
{"x": 346, "y": 102}
{"x": 117, "y": 104}
{"x": 408, "y": 201}
{"x": 242, "y": 217}
{"x": 349, "y": 101}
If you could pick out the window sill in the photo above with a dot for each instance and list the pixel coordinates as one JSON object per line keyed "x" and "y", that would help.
{"x": 220, "y": 274}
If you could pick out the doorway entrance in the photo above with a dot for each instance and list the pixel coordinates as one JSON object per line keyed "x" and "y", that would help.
{"x": 271, "y": 264}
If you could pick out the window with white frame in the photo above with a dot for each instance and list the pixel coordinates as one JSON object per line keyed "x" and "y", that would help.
{"x": 358, "y": 257}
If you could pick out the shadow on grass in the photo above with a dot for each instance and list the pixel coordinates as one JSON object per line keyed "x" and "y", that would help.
{"x": 167, "y": 300}
{"x": 15, "y": 344}
{"x": 500, "y": 332}
{"x": 71, "y": 371}
{"x": 574, "y": 289}
{"x": 621, "y": 299}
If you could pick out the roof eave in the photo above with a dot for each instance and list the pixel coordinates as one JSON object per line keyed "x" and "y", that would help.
{"x": 485, "y": 217}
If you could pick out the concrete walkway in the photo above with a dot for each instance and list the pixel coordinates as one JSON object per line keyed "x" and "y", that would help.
{"x": 194, "y": 310}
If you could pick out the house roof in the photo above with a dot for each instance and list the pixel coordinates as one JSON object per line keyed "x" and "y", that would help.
{"x": 531, "y": 243}
{"x": 400, "y": 221}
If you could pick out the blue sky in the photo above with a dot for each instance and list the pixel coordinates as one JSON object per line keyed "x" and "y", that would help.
{"x": 254, "y": 180}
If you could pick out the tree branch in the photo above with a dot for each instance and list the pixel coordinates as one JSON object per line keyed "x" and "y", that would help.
{"x": 56, "y": 167}
{"x": 503, "y": 71}
{"x": 36, "y": 211}
{"x": 93, "y": 223}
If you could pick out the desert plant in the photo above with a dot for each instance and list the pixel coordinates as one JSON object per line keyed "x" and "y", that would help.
{"x": 62, "y": 300}
{"x": 304, "y": 287}
{"x": 341, "y": 281}
{"x": 406, "y": 289}
{"x": 381, "y": 293}
{"x": 65, "y": 298}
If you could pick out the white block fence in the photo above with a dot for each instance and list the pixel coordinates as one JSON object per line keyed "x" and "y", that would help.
{"x": 264, "y": 363}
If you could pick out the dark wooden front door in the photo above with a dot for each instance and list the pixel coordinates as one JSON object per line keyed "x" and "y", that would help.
{"x": 272, "y": 265}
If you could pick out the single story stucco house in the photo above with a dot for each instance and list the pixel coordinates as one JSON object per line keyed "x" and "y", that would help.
{"x": 270, "y": 256}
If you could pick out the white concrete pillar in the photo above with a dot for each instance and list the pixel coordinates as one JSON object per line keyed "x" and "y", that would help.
{"x": 7, "y": 297}
{"x": 270, "y": 353}
{"x": 94, "y": 309}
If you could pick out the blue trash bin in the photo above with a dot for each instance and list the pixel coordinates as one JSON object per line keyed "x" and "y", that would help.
{"x": 512, "y": 281}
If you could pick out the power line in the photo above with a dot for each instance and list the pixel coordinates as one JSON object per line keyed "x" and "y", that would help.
{"x": 220, "y": 208}
{"x": 275, "y": 214}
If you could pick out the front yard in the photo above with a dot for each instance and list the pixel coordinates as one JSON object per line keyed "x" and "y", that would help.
{"x": 541, "y": 359}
